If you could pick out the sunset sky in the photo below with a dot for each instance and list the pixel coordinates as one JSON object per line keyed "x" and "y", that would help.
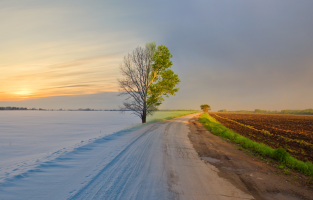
{"x": 234, "y": 55}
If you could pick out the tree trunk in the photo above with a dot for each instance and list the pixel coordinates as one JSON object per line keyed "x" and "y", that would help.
{"x": 144, "y": 116}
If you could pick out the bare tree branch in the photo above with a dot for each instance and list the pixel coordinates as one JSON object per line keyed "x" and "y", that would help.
{"x": 136, "y": 72}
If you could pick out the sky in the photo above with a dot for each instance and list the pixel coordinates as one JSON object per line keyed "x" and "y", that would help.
{"x": 234, "y": 55}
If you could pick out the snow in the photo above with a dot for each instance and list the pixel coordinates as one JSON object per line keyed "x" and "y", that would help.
{"x": 29, "y": 138}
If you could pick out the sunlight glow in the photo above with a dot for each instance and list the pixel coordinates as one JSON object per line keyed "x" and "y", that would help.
{"x": 77, "y": 77}
{"x": 23, "y": 92}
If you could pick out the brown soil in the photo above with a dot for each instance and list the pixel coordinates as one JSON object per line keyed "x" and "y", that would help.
{"x": 247, "y": 172}
{"x": 293, "y": 133}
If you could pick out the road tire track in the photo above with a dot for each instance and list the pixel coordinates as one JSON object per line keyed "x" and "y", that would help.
{"x": 131, "y": 174}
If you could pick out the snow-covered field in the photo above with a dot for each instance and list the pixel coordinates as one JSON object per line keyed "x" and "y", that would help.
{"x": 30, "y": 138}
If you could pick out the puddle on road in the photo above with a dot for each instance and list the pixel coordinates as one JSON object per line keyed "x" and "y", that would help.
{"x": 210, "y": 160}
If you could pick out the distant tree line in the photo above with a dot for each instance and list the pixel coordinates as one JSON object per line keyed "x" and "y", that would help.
{"x": 13, "y": 108}
{"x": 302, "y": 112}
{"x": 298, "y": 112}
{"x": 80, "y": 109}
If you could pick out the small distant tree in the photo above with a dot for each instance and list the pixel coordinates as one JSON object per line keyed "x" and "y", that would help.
{"x": 205, "y": 108}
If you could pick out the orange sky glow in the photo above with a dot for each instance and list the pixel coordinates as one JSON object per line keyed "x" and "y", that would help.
{"x": 47, "y": 51}
{"x": 77, "y": 77}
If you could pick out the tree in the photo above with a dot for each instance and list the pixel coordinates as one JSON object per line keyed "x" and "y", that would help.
{"x": 205, "y": 108}
{"x": 146, "y": 78}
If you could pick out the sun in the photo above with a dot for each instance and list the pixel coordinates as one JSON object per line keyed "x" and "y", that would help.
{"x": 23, "y": 92}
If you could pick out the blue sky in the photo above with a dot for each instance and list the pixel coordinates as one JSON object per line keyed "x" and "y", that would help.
{"x": 229, "y": 54}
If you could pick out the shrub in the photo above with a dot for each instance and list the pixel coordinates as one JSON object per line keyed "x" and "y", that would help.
{"x": 280, "y": 155}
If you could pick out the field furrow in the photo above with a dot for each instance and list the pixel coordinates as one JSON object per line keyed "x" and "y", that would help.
{"x": 291, "y": 132}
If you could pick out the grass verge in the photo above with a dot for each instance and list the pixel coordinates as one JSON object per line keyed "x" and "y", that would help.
{"x": 167, "y": 115}
{"x": 280, "y": 155}
{"x": 162, "y": 116}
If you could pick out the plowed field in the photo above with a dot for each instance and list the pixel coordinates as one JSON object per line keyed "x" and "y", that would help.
{"x": 291, "y": 132}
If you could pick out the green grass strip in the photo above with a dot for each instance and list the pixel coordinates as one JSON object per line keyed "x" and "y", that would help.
{"x": 280, "y": 155}
{"x": 179, "y": 114}
{"x": 163, "y": 118}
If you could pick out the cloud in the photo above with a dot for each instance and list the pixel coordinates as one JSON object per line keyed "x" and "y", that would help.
{"x": 74, "y": 86}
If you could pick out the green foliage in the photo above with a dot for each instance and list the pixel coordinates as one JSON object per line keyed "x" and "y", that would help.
{"x": 286, "y": 172}
{"x": 205, "y": 107}
{"x": 167, "y": 115}
{"x": 302, "y": 112}
{"x": 281, "y": 155}
{"x": 163, "y": 79}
